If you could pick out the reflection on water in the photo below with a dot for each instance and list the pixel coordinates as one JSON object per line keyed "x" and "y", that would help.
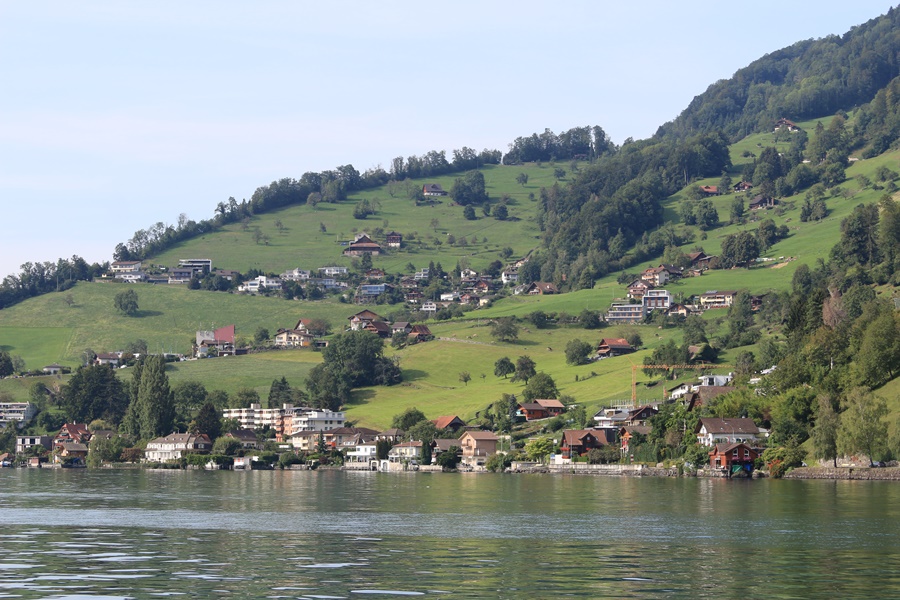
{"x": 136, "y": 534}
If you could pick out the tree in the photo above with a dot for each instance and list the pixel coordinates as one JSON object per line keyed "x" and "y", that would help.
{"x": 505, "y": 329}
{"x": 434, "y": 224}
{"x": 448, "y": 459}
{"x": 465, "y": 377}
{"x": 469, "y": 212}
{"x": 522, "y": 179}
{"x": 407, "y": 419}
{"x": 525, "y": 369}
{"x": 577, "y": 352}
{"x": 739, "y": 249}
{"x": 102, "y": 449}
{"x": 706, "y": 215}
{"x": 227, "y": 446}
{"x": 94, "y": 392}
{"x": 189, "y": 396}
{"x": 126, "y": 302}
{"x": 540, "y": 386}
{"x": 737, "y": 210}
{"x": 501, "y": 213}
{"x": 538, "y": 448}
{"x": 245, "y": 397}
{"x": 208, "y": 421}
{"x": 152, "y": 409}
{"x": 280, "y": 393}
{"x": 469, "y": 189}
{"x": 559, "y": 173}
{"x": 261, "y": 335}
{"x": 825, "y": 431}
{"x": 504, "y": 367}
{"x": 863, "y": 428}
{"x": 6, "y": 364}
{"x": 590, "y": 319}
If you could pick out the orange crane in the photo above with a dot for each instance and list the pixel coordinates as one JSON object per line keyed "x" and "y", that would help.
{"x": 634, "y": 370}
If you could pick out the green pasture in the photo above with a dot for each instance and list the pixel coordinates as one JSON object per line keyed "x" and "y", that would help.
{"x": 38, "y": 346}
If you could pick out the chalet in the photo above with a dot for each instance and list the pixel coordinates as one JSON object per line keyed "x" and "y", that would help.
{"x": 640, "y": 415}
{"x": 477, "y": 446}
{"x": 699, "y": 260}
{"x": 379, "y": 328}
{"x": 363, "y": 244}
{"x": 401, "y": 327}
{"x": 393, "y": 239}
{"x": 717, "y": 299}
{"x": 743, "y": 186}
{"x": 509, "y": 276}
{"x": 541, "y": 288}
{"x": 303, "y": 325}
{"x": 786, "y": 124}
{"x": 414, "y": 296}
{"x": 293, "y": 338}
{"x": 678, "y": 310}
{"x": 452, "y": 422}
{"x": 391, "y": 435}
{"x": 709, "y": 190}
{"x": 711, "y": 431}
{"x": 532, "y": 411}
{"x": 578, "y": 442}
{"x": 363, "y": 318}
{"x": 655, "y": 276}
{"x": 72, "y": 432}
{"x": 441, "y": 445}
{"x": 730, "y": 457}
{"x": 674, "y": 271}
{"x": 219, "y": 341}
{"x": 638, "y": 288}
{"x": 613, "y": 347}
{"x": 375, "y": 274}
{"x": 762, "y": 202}
{"x": 625, "y": 312}
{"x": 421, "y": 333}
{"x": 112, "y": 359}
{"x": 71, "y": 453}
{"x": 552, "y": 406}
{"x": 433, "y": 189}
{"x": 175, "y": 446}
{"x": 230, "y": 274}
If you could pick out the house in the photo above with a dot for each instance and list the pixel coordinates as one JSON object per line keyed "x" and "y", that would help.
{"x": 375, "y": 274}
{"x": 363, "y": 318}
{"x": 296, "y": 275}
{"x": 199, "y": 264}
{"x": 541, "y": 288}
{"x": 742, "y": 186}
{"x": 230, "y": 274}
{"x": 72, "y": 433}
{"x": 363, "y": 244}
{"x": 578, "y": 442}
{"x": 709, "y": 190}
{"x": 441, "y": 445}
{"x": 638, "y": 288}
{"x": 421, "y": 333}
{"x": 219, "y": 342}
{"x": 41, "y": 443}
{"x": 509, "y": 276}
{"x": 711, "y": 431}
{"x": 293, "y": 338}
{"x": 71, "y": 453}
{"x": 429, "y": 307}
{"x": 552, "y": 406}
{"x": 112, "y": 359}
{"x": 247, "y": 438}
{"x": 679, "y": 391}
{"x": 451, "y": 422}
{"x": 405, "y": 452}
{"x": 334, "y": 271}
{"x": 761, "y": 202}
{"x": 727, "y": 456}
{"x": 717, "y": 299}
{"x": 175, "y": 446}
{"x": 368, "y": 292}
{"x": 414, "y": 296}
{"x": 16, "y": 412}
{"x": 401, "y": 327}
{"x": 715, "y": 380}
{"x": 699, "y": 260}
{"x": 450, "y": 296}
{"x": 433, "y": 189}
{"x": 609, "y": 347}
{"x": 674, "y": 271}
{"x": 364, "y": 451}
{"x": 640, "y": 415}
{"x": 625, "y": 312}
{"x": 655, "y": 276}
{"x": 468, "y": 275}
{"x": 260, "y": 284}
{"x": 422, "y": 274}
{"x": 532, "y": 411}
{"x": 679, "y": 310}
{"x": 784, "y": 123}
{"x": 628, "y": 433}
{"x": 477, "y": 446}
{"x": 391, "y": 435}
{"x": 126, "y": 266}
{"x": 53, "y": 369}
{"x": 610, "y": 419}
{"x": 656, "y": 300}
{"x": 393, "y": 239}
{"x": 181, "y": 274}
{"x": 703, "y": 394}
{"x": 379, "y": 328}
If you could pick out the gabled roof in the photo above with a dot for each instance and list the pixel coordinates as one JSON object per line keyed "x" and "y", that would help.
{"x": 717, "y": 425}
{"x": 551, "y": 403}
{"x": 615, "y": 344}
{"x": 365, "y": 315}
{"x": 444, "y": 444}
{"x": 448, "y": 421}
{"x": 244, "y": 435}
{"x": 480, "y": 435}
{"x": 725, "y": 448}
{"x": 576, "y": 437}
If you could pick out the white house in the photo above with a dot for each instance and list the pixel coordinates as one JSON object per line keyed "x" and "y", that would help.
{"x": 16, "y": 412}
{"x": 306, "y": 419}
{"x": 509, "y": 276}
{"x": 261, "y": 283}
{"x": 429, "y": 307}
{"x": 333, "y": 271}
{"x": 175, "y": 446}
{"x": 296, "y": 275}
{"x": 405, "y": 451}
{"x": 712, "y": 431}
{"x": 656, "y": 300}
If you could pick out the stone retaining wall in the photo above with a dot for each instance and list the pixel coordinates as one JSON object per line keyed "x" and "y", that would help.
{"x": 856, "y": 473}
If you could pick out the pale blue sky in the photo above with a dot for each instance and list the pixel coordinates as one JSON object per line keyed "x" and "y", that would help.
{"x": 116, "y": 115}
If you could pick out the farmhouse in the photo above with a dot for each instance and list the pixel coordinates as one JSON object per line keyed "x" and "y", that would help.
{"x": 363, "y": 244}
{"x": 613, "y": 347}
{"x": 711, "y": 431}
{"x": 175, "y": 446}
{"x": 578, "y": 442}
{"x": 433, "y": 189}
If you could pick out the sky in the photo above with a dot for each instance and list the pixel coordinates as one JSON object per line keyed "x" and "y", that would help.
{"x": 118, "y": 115}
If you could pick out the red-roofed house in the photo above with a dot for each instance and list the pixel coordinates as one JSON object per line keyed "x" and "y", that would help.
{"x": 449, "y": 422}
{"x": 576, "y": 442}
{"x": 613, "y": 347}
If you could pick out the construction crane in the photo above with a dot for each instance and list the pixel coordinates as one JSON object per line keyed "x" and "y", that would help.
{"x": 634, "y": 370}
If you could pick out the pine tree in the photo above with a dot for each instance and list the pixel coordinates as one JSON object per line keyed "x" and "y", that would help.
{"x": 152, "y": 409}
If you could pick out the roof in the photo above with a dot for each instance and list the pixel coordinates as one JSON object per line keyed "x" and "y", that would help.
{"x": 551, "y": 403}
{"x": 725, "y": 448}
{"x": 641, "y": 429}
{"x": 717, "y": 425}
{"x": 181, "y": 438}
{"x": 447, "y": 421}
{"x": 379, "y": 326}
{"x": 576, "y": 436}
{"x": 365, "y": 315}
{"x": 544, "y": 287}
{"x": 444, "y": 444}
{"x": 244, "y": 435}
{"x": 480, "y": 435}
{"x": 615, "y": 343}
{"x": 531, "y": 406}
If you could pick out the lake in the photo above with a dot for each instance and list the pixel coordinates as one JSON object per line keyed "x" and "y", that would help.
{"x": 331, "y": 534}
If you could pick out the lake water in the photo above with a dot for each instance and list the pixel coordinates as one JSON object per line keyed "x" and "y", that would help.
{"x": 329, "y": 534}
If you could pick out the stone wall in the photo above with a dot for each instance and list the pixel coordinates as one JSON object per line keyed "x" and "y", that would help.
{"x": 856, "y": 473}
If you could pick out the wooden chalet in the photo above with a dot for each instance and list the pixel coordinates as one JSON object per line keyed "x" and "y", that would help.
{"x": 393, "y": 239}
{"x": 639, "y": 288}
{"x": 762, "y": 202}
{"x": 733, "y": 458}
{"x": 363, "y": 244}
{"x": 532, "y": 411}
{"x": 743, "y": 186}
{"x": 541, "y": 288}
{"x": 709, "y": 190}
{"x": 433, "y": 189}
{"x": 379, "y": 328}
{"x": 552, "y": 406}
{"x": 786, "y": 124}
{"x": 452, "y": 422}
{"x": 363, "y": 318}
{"x": 577, "y": 442}
{"x": 613, "y": 347}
